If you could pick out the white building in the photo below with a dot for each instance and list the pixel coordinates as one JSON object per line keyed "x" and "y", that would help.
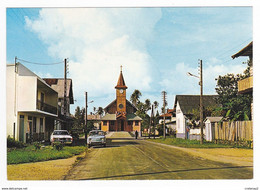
{"x": 170, "y": 120}
{"x": 184, "y": 105}
{"x": 210, "y": 127}
{"x": 31, "y": 105}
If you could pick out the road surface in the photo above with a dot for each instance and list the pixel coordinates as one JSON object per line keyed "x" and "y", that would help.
{"x": 125, "y": 158}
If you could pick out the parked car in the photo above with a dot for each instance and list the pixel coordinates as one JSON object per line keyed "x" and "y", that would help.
{"x": 62, "y": 136}
{"x": 96, "y": 137}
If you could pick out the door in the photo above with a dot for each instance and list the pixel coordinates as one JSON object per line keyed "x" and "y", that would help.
{"x": 122, "y": 125}
{"x": 21, "y": 128}
{"x": 30, "y": 129}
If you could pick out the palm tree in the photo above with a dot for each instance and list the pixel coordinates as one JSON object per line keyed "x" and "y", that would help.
{"x": 156, "y": 105}
{"x": 147, "y": 105}
{"x": 100, "y": 111}
{"x": 135, "y": 97}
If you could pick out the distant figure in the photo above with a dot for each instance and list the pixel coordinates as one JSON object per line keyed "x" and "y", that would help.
{"x": 136, "y": 134}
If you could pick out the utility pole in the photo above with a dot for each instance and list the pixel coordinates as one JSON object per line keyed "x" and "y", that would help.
{"x": 201, "y": 102}
{"x": 151, "y": 122}
{"x": 86, "y": 114}
{"x": 201, "y": 98}
{"x": 65, "y": 94}
{"x": 164, "y": 102}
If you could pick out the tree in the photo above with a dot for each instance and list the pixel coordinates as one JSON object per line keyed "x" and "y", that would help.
{"x": 147, "y": 105}
{"x": 235, "y": 106}
{"x": 79, "y": 118}
{"x": 156, "y": 105}
{"x": 100, "y": 111}
{"x": 90, "y": 126}
{"x": 135, "y": 97}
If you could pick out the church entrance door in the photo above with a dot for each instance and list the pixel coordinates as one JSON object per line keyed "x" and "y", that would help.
{"x": 122, "y": 125}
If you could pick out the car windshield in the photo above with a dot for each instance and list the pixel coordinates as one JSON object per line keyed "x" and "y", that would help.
{"x": 60, "y": 133}
{"x": 91, "y": 133}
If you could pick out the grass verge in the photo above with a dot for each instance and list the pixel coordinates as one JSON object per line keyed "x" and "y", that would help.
{"x": 29, "y": 154}
{"x": 191, "y": 143}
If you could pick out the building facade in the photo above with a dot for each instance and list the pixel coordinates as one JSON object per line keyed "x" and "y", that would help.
{"x": 31, "y": 105}
{"x": 64, "y": 120}
{"x": 120, "y": 114}
{"x": 185, "y": 105}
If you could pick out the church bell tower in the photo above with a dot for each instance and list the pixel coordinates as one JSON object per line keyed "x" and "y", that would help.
{"x": 121, "y": 94}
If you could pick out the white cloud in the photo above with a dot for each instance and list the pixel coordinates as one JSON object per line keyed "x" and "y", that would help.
{"x": 43, "y": 75}
{"x": 178, "y": 82}
{"x": 98, "y": 41}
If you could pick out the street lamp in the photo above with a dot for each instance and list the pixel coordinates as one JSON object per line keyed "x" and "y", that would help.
{"x": 201, "y": 101}
{"x": 86, "y": 113}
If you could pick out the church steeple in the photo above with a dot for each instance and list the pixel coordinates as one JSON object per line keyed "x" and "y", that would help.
{"x": 121, "y": 81}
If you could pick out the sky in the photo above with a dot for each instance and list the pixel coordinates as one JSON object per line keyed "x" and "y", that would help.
{"x": 155, "y": 46}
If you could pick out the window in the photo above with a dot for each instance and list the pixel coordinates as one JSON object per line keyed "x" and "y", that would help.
{"x": 130, "y": 123}
{"x": 60, "y": 132}
{"x": 34, "y": 124}
{"x": 136, "y": 123}
{"x": 104, "y": 123}
{"x": 41, "y": 125}
{"x": 121, "y": 106}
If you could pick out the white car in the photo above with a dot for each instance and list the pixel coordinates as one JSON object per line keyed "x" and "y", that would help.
{"x": 62, "y": 136}
{"x": 96, "y": 137}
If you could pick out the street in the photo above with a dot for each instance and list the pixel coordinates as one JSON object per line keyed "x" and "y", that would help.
{"x": 125, "y": 158}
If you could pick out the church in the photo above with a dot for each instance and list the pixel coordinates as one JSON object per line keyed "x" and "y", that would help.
{"x": 120, "y": 113}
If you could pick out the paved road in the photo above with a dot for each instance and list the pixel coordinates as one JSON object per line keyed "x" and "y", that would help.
{"x": 126, "y": 158}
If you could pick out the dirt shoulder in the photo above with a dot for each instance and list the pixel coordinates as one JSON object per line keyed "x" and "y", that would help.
{"x": 236, "y": 156}
{"x": 48, "y": 170}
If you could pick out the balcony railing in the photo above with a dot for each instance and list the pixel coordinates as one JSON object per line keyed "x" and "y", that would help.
{"x": 46, "y": 107}
{"x": 245, "y": 85}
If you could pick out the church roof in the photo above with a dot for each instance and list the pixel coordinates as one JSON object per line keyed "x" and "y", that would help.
{"x": 133, "y": 117}
{"x": 127, "y": 102}
{"x": 121, "y": 81}
{"x": 129, "y": 117}
{"x": 109, "y": 117}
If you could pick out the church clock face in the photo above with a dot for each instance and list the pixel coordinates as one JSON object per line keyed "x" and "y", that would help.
{"x": 121, "y": 91}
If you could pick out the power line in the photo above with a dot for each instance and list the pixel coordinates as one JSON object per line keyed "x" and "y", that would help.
{"x": 39, "y": 63}
{"x": 234, "y": 47}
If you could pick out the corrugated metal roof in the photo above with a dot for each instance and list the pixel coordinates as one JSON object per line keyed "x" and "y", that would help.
{"x": 94, "y": 117}
{"x": 129, "y": 117}
{"x": 214, "y": 119}
{"x": 189, "y": 102}
{"x": 133, "y": 117}
{"x": 246, "y": 51}
{"x": 110, "y": 117}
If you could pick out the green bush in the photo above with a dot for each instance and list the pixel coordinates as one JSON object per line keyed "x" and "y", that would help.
{"x": 37, "y": 145}
{"x": 58, "y": 146}
{"x": 28, "y": 154}
{"x": 11, "y": 143}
